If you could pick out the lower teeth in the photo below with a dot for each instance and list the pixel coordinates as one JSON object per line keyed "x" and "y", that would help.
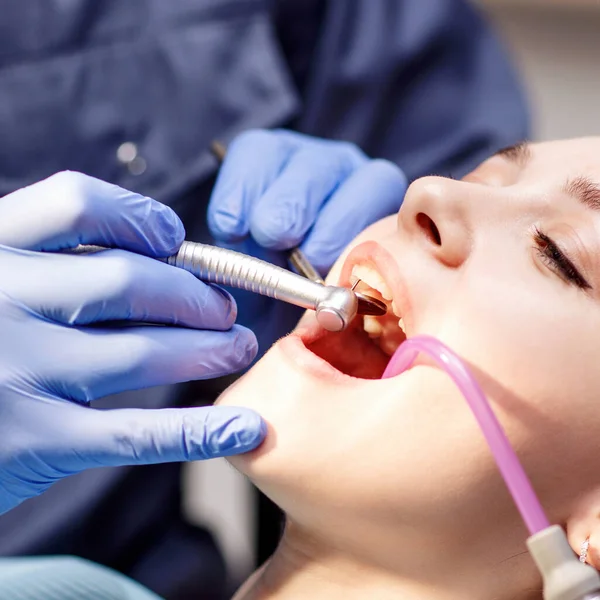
{"x": 388, "y": 346}
{"x": 387, "y": 334}
{"x": 372, "y": 326}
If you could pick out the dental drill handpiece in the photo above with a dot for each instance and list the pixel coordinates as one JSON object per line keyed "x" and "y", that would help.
{"x": 335, "y": 306}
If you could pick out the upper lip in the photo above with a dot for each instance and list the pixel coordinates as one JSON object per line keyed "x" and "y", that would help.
{"x": 376, "y": 256}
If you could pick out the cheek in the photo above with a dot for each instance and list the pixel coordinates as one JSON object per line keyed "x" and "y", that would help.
{"x": 536, "y": 358}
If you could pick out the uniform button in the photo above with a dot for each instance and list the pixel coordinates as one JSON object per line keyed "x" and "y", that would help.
{"x": 127, "y": 154}
{"x": 137, "y": 166}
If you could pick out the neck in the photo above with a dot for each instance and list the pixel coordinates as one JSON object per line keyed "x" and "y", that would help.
{"x": 303, "y": 567}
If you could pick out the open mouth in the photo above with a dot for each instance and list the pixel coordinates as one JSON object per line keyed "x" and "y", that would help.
{"x": 364, "y": 349}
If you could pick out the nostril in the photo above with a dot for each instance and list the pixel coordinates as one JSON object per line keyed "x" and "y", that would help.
{"x": 429, "y": 228}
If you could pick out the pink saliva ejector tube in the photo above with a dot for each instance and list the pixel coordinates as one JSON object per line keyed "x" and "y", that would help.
{"x": 565, "y": 577}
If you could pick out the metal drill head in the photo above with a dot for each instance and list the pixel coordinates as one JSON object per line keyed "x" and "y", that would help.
{"x": 370, "y": 306}
{"x": 367, "y": 305}
{"x": 338, "y": 309}
{"x": 331, "y": 319}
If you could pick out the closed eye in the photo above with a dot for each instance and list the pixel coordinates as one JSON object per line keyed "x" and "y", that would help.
{"x": 557, "y": 261}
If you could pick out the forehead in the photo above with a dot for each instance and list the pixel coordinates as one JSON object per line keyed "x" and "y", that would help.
{"x": 564, "y": 159}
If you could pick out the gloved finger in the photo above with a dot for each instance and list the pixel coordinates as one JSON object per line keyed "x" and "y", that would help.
{"x": 113, "y": 285}
{"x": 139, "y": 436}
{"x": 254, "y": 160}
{"x": 88, "y": 364}
{"x": 281, "y": 217}
{"x": 374, "y": 191}
{"x": 70, "y": 208}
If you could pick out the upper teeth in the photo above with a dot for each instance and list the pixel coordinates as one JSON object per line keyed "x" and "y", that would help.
{"x": 376, "y": 327}
{"x": 373, "y": 279}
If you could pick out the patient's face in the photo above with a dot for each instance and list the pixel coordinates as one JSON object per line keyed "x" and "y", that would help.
{"x": 503, "y": 267}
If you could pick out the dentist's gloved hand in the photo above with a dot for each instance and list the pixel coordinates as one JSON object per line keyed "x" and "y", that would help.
{"x": 58, "y": 350}
{"x": 286, "y": 189}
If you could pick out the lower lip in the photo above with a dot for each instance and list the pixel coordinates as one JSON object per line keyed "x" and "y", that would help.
{"x": 294, "y": 348}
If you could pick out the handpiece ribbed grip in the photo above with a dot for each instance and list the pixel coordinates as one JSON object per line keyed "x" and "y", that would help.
{"x": 228, "y": 267}
{"x": 231, "y": 268}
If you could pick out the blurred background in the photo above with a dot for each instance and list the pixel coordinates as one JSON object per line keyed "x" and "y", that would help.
{"x": 555, "y": 44}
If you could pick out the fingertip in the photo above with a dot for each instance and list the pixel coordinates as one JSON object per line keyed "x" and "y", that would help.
{"x": 387, "y": 173}
{"x": 131, "y": 221}
{"x": 231, "y": 430}
{"x": 226, "y": 206}
{"x": 277, "y": 230}
{"x": 254, "y": 160}
{"x": 225, "y": 225}
{"x": 179, "y": 229}
{"x": 251, "y": 142}
{"x": 263, "y": 429}
{"x": 322, "y": 254}
{"x": 141, "y": 436}
{"x": 255, "y": 431}
{"x": 245, "y": 346}
{"x": 228, "y": 306}
{"x": 346, "y": 214}
{"x": 173, "y": 232}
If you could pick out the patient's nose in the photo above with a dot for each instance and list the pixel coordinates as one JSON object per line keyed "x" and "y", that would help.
{"x": 435, "y": 213}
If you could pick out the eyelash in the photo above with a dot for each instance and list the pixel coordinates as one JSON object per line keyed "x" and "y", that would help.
{"x": 551, "y": 254}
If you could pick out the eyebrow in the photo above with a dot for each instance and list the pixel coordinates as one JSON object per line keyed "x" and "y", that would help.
{"x": 518, "y": 153}
{"x": 585, "y": 190}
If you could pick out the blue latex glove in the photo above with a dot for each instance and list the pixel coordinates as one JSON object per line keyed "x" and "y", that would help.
{"x": 286, "y": 189}
{"x": 56, "y": 354}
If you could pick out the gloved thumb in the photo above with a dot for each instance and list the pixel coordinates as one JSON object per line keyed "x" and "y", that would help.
{"x": 140, "y": 436}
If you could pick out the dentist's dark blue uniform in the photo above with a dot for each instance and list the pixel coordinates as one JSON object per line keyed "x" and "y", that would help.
{"x": 134, "y": 92}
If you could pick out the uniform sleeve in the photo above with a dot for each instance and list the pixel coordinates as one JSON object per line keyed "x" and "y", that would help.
{"x": 424, "y": 83}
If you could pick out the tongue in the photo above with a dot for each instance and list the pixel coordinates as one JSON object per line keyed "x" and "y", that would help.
{"x": 352, "y": 352}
